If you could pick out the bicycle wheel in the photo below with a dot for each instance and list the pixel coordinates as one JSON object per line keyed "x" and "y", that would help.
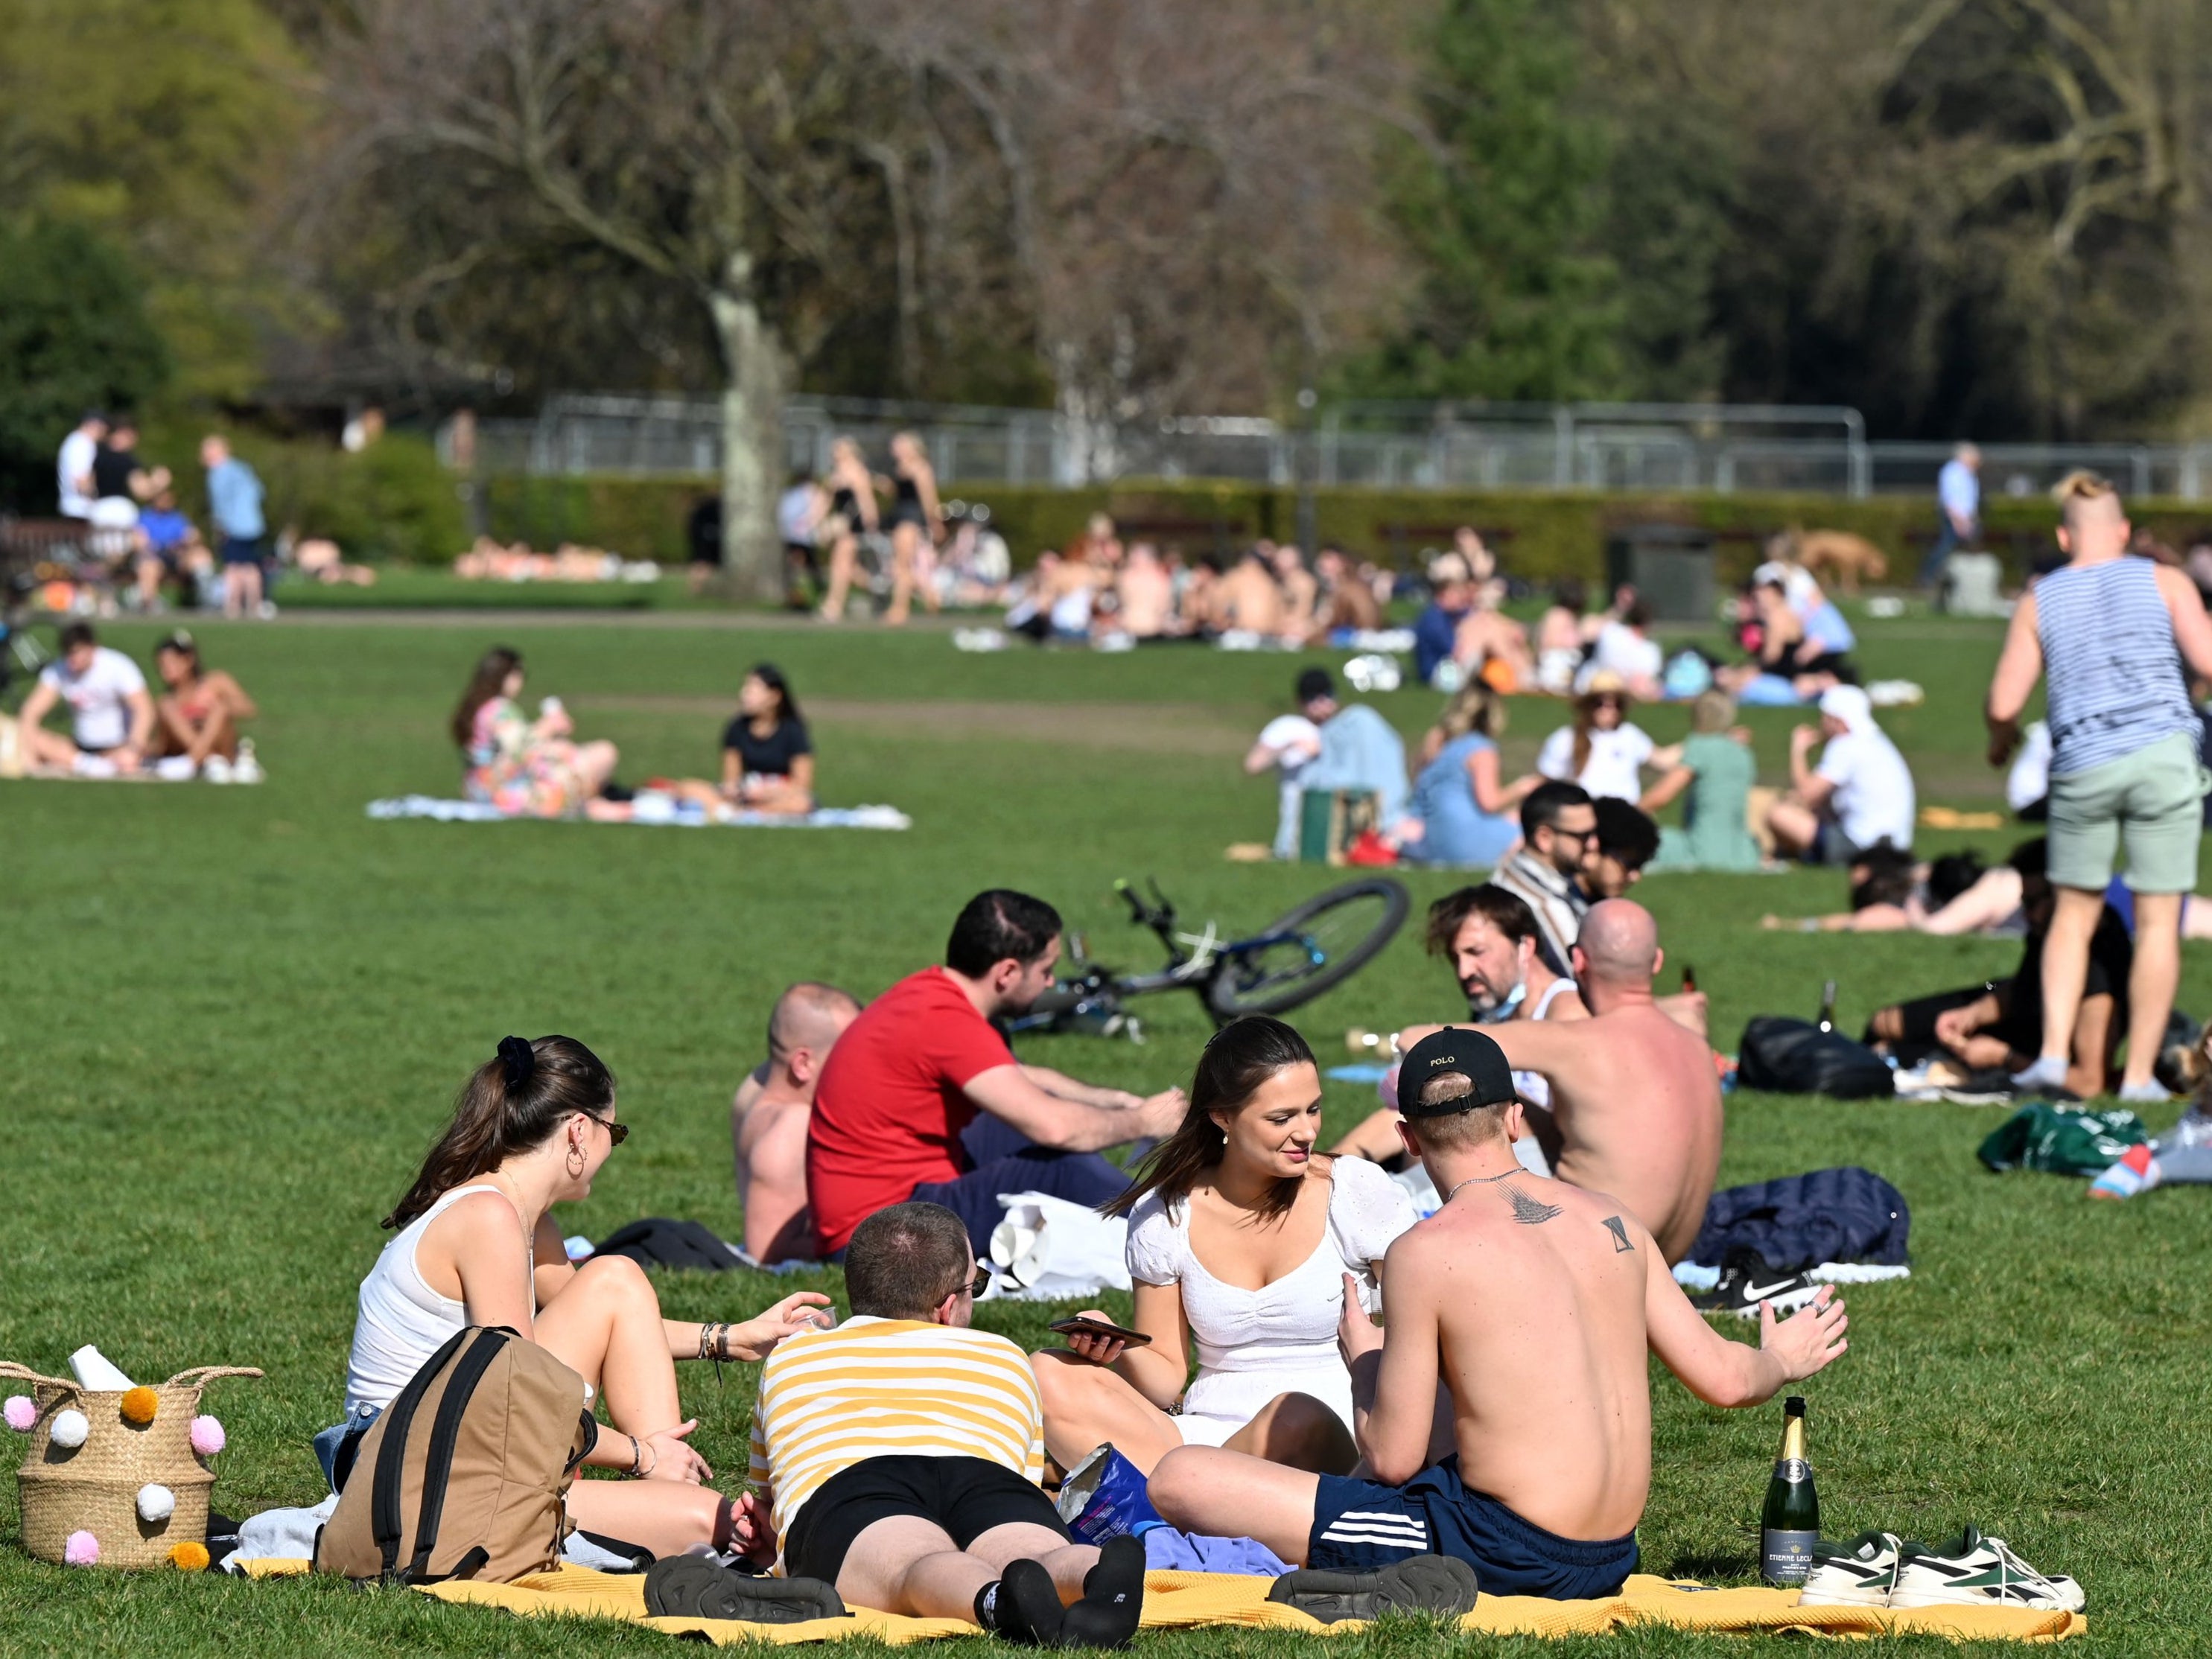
{"x": 1322, "y": 943}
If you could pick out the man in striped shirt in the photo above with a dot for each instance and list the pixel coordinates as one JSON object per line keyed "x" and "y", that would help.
{"x": 897, "y": 1456}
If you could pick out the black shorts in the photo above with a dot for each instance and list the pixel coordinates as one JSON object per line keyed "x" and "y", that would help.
{"x": 965, "y": 1496}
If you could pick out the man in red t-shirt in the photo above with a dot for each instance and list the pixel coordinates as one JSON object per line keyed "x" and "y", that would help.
{"x": 895, "y": 1110}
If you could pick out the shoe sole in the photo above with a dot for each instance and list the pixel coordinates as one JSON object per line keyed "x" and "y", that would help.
{"x": 1909, "y": 1601}
{"x": 1845, "y": 1598}
{"x": 1788, "y": 1303}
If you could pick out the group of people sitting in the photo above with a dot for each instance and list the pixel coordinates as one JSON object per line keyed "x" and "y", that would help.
{"x": 137, "y": 529}
{"x": 1460, "y": 810}
{"x": 535, "y": 768}
{"x": 1098, "y": 591}
{"x": 1794, "y": 638}
{"x": 119, "y": 728}
{"x": 1503, "y": 1419}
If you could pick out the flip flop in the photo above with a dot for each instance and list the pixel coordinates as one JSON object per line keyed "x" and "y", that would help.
{"x": 1440, "y": 1585}
{"x": 692, "y": 1587}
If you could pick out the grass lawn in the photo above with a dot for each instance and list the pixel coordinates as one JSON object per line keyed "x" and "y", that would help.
{"x": 234, "y": 1018}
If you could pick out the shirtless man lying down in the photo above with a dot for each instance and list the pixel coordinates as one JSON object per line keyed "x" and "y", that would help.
{"x": 1533, "y": 1302}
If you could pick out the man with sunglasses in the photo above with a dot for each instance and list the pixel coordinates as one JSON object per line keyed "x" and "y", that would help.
{"x": 897, "y": 1457}
{"x": 1558, "y": 837}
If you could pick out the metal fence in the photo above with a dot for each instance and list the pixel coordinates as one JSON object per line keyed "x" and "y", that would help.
{"x": 1724, "y": 447}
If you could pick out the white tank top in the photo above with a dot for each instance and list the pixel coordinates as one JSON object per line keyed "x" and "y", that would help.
{"x": 1532, "y": 1086}
{"x": 402, "y": 1321}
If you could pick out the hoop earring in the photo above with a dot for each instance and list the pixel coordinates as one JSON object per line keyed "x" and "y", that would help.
{"x": 575, "y": 1160}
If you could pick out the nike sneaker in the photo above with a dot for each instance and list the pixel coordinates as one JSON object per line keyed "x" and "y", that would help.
{"x": 1746, "y": 1281}
{"x": 1860, "y": 1573}
{"x": 1972, "y": 1572}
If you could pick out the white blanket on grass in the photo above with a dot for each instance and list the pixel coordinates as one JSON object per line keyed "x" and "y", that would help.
{"x": 655, "y": 810}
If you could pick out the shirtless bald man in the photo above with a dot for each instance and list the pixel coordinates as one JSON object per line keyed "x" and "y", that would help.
{"x": 1636, "y": 1105}
{"x": 768, "y": 1118}
{"x": 1533, "y": 1302}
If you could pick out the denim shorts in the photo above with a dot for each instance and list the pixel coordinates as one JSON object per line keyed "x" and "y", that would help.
{"x": 335, "y": 1446}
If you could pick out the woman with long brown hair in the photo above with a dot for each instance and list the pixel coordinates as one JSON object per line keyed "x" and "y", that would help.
{"x": 477, "y": 1246}
{"x": 1242, "y": 1237}
{"x": 851, "y": 518}
{"x": 527, "y": 769}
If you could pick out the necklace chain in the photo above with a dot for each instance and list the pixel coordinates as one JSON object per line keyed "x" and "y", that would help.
{"x": 1476, "y": 1181}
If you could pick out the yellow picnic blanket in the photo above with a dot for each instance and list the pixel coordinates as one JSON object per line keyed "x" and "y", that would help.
{"x": 1177, "y": 1600}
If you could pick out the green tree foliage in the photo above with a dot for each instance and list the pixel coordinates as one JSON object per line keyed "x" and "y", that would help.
{"x": 1502, "y": 207}
{"x": 163, "y": 125}
{"x": 74, "y": 335}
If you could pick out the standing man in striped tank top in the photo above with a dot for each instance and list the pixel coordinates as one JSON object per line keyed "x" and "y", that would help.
{"x": 2112, "y": 633}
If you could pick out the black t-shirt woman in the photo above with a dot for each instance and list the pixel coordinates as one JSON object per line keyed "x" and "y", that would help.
{"x": 768, "y": 760}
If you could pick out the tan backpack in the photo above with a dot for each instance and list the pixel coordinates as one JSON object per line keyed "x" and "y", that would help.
{"x": 465, "y": 1473}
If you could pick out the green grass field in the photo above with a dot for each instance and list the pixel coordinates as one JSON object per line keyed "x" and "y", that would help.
{"x": 234, "y": 1019}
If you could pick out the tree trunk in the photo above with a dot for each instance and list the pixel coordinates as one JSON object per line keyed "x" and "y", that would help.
{"x": 752, "y": 439}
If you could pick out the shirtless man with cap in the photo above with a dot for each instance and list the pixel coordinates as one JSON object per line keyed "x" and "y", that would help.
{"x": 1636, "y": 1105}
{"x": 1533, "y": 1304}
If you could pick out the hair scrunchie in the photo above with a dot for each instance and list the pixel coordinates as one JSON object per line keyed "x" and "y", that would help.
{"x": 519, "y": 1059}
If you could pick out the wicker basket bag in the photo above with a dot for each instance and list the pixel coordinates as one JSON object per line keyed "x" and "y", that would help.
{"x": 94, "y": 1487}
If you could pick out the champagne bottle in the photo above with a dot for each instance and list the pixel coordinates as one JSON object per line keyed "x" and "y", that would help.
{"x": 1828, "y": 1006}
{"x": 1790, "y": 1525}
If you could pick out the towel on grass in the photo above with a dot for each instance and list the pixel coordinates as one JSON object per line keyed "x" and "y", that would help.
{"x": 822, "y": 817}
{"x": 1182, "y": 1600}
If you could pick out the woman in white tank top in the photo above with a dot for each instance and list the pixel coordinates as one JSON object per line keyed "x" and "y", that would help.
{"x": 1240, "y": 1237}
{"x": 476, "y": 1246}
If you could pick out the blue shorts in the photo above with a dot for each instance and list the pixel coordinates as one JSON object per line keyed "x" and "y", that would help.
{"x": 241, "y": 549}
{"x": 1362, "y": 1526}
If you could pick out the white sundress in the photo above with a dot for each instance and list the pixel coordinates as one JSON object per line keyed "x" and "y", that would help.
{"x": 1255, "y": 1344}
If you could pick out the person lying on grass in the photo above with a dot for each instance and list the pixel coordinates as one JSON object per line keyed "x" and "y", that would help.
{"x": 111, "y": 718}
{"x": 1533, "y": 1303}
{"x": 1240, "y": 1236}
{"x": 897, "y": 1457}
{"x": 1975, "y": 1038}
{"x": 200, "y": 710}
{"x": 477, "y": 1246}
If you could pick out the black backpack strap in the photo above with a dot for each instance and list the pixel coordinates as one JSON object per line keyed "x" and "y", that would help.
{"x": 445, "y": 1433}
{"x": 399, "y": 1419}
{"x": 591, "y": 1427}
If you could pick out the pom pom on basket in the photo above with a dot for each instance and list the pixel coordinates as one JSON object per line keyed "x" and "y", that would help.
{"x": 208, "y": 1437}
{"x": 83, "y": 1550}
{"x": 21, "y": 1412}
{"x": 189, "y": 1557}
{"x": 70, "y": 1429}
{"x": 140, "y": 1405}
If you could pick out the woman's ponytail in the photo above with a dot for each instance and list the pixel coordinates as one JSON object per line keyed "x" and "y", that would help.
{"x": 512, "y": 1104}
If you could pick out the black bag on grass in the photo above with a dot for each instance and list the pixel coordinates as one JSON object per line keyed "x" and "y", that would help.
{"x": 1787, "y": 1056}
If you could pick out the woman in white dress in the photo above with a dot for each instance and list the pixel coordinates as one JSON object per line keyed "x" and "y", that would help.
{"x": 476, "y": 1246}
{"x": 1241, "y": 1237}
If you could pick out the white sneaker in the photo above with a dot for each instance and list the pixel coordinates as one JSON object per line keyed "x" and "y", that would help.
{"x": 247, "y": 768}
{"x": 1860, "y": 1573}
{"x": 2194, "y": 1129}
{"x": 268, "y": 611}
{"x": 1974, "y": 1571}
{"x": 216, "y": 770}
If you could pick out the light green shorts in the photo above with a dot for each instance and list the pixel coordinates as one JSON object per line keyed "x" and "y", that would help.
{"x": 2152, "y": 799}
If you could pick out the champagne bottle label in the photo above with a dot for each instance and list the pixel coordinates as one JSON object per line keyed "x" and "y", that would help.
{"x": 1785, "y": 1557}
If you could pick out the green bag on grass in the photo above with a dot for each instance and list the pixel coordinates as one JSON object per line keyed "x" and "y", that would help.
{"x": 2061, "y": 1139}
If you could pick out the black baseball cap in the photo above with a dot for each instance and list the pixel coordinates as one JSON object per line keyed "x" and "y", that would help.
{"x": 1455, "y": 1049}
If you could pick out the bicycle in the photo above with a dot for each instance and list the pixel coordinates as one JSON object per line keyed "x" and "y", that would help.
{"x": 1302, "y": 953}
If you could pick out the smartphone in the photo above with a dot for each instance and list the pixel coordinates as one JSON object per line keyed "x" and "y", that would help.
{"x": 1099, "y": 1328}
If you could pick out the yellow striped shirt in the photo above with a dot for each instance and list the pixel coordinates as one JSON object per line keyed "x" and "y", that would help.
{"x": 879, "y": 1388}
